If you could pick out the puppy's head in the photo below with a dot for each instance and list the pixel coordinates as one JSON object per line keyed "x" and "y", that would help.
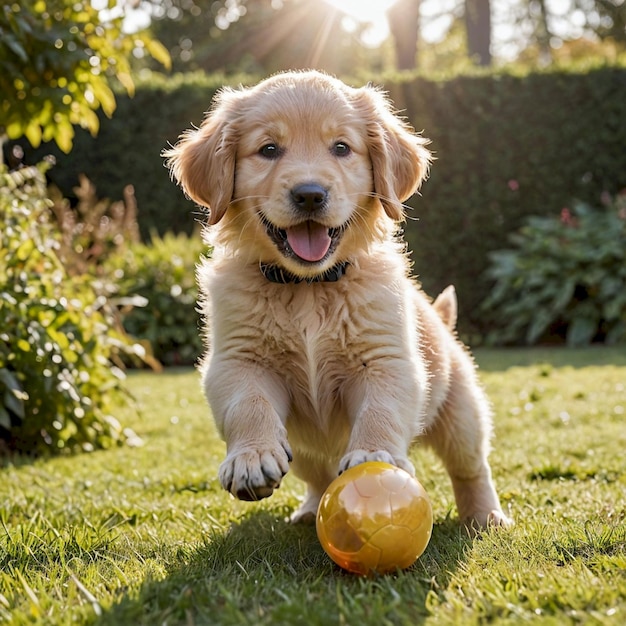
{"x": 300, "y": 171}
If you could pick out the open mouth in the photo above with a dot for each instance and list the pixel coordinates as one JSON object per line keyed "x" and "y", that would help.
{"x": 309, "y": 242}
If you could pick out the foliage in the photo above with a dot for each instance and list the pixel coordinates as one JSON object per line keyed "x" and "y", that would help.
{"x": 265, "y": 36}
{"x": 95, "y": 228}
{"x": 505, "y": 145}
{"x": 57, "y": 58}
{"x": 147, "y": 536}
{"x": 607, "y": 19}
{"x": 563, "y": 273}
{"x": 155, "y": 288}
{"x": 128, "y": 149}
{"x": 262, "y": 36}
{"x": 499, "y": 140}
{"x": 152, "y": 285}
{"x": 58, "y": 341}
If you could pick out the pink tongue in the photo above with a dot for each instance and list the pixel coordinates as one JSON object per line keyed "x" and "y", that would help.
{"x": 309, "y": 240}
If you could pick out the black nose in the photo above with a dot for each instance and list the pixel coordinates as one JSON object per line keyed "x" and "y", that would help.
{"x": 309, "y": 196}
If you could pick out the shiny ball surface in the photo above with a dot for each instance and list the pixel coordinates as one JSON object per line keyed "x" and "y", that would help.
{"x": 374, "y": 518}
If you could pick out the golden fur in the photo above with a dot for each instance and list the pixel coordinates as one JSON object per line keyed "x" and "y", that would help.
{"x": 300, "y": 173}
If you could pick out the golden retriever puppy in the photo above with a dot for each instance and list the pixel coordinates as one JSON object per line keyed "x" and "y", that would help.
{"x": 322, "y": 352}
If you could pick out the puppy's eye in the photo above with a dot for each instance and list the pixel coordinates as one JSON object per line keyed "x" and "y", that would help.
{"x": 340, "y": 149}
{"x": 270, "y": 151}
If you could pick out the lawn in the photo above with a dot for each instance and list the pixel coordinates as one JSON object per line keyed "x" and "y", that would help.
{"x": 145, "y": 535}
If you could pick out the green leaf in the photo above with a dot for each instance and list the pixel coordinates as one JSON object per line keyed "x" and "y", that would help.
{"x": 159, "y": 52}
{"x": 33, "y": 133}
{"x": 127, "y": 82}
{"x": 14, "y": 401}
{"x": 11, "y": 42}
{"x": 64, "y": 135}
{"x": 9, "y": 380}
{"x": 581, "y": 331}
{"x": 23, "y": 345}
{"x": 613, "y": 309}
{"x": 25, "y": 250}
{"x": 104, "y": 95}
{"x": 563, "y": 296}
{"x": 89, "y": 119}
{"x": 616, "y": 334}
{"x": 540, "y": 322}
{"x": 5, "y": 418}
{"x": 14, "y": 129}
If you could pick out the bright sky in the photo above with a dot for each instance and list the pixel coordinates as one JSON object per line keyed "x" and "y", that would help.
{"x": 369, "y": 11}
{"x": 374, "y": 12}
{"x": 364, "y": 10}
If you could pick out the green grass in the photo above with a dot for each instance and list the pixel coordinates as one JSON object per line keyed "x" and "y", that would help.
{"x": 146, "y": 536}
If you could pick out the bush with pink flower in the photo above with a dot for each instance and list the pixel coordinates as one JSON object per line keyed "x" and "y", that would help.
{"x": 563, "y": 278}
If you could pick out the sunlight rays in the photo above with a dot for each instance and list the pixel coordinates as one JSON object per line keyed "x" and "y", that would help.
{"x": 371, "y": 12}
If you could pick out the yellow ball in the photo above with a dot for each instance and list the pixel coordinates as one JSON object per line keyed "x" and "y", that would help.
{"x": 374, "y": 518}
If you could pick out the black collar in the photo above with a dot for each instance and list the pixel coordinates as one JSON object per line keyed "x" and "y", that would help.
{"x": 276, "y": 274}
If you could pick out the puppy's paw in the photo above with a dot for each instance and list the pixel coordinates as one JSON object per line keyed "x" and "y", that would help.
{"x": 356, "y": 457}
{"x": 253, "y": 474}
{"x": 306, "y": 513}
{"x": 497, "y": 519}
{"x": 486, "y": 520}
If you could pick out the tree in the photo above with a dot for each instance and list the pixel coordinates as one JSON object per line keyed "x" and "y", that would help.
{"x": 607, "y": 18}
{"x": 404, "y": 24}
{"x": 58, "y": 59}
{"x": 478, "y": 28}
{"x": 542, "y": 26}
{"x": 543, "y": 34}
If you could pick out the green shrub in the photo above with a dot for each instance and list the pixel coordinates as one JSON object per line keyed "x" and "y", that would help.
{"x": 93, "y": 228}
{"x": 565, "y": 274}
{"x": 58, "y": 343}
{"x": 155, "y": 288}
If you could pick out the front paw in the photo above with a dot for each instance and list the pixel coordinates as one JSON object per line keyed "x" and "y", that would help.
{"x": 356, "y": 457}
{"x": 485, "y": 520}
{"x": 253, "y": 474}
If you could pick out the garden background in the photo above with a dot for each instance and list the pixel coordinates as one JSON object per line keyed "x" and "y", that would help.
{"x": 524, "y": 212}
{"x": 507, "y": 146}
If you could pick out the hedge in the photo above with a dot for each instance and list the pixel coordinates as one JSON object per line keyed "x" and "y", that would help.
{"x": 507, "y": 146}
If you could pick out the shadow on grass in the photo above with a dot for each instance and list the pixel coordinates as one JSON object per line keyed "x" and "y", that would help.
{"x": 263, "y": 570}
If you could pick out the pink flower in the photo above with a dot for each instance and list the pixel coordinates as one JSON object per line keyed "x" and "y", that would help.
{"x": 513, "y": 185}
{"x": 566, "y": 217}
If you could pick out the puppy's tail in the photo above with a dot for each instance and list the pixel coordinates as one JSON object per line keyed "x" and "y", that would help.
{"x": 446, "y": 306}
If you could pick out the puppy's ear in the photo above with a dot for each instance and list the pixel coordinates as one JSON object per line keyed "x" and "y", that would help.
{"x": 446, "y": 306}
{"x": 203, "y": 160}
{"x": 400, "y": 160}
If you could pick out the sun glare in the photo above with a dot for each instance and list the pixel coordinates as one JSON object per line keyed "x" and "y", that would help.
{"x": 363, "y": 10}
{"x": 372, "y": 12}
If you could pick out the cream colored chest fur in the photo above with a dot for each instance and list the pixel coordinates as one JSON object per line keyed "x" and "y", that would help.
{"x": 326, "y": 345}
